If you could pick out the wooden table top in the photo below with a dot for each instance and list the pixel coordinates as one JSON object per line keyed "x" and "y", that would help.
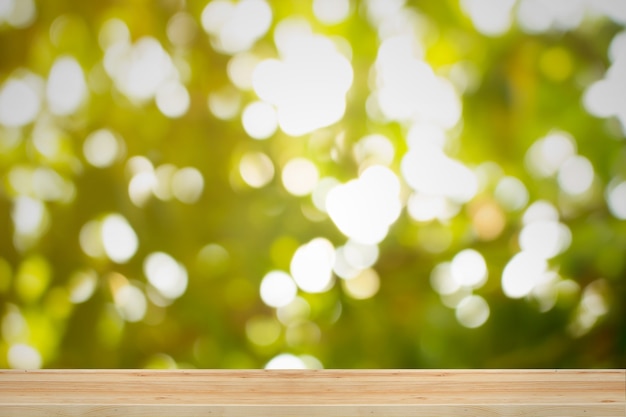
{"x": 340, "y": 393}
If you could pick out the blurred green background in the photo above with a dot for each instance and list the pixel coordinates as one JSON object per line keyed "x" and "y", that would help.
{"x": 312, "y": 183}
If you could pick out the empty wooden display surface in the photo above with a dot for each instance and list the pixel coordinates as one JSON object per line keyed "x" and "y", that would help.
{"x": 340, "y": 393}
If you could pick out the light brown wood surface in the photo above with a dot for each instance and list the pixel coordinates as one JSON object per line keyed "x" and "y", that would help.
{"x": 401, "y": 393}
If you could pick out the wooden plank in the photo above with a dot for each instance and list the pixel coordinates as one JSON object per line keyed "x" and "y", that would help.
{"x": 401, "y": 393}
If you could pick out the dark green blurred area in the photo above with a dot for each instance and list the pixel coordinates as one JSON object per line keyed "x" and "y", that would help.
{"x": 522, "y": 87}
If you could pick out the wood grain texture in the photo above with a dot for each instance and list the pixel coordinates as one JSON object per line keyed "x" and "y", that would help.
{"x": 340, "y": 393}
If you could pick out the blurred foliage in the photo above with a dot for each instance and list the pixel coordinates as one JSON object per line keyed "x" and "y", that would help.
{"x": 74, "y": 288}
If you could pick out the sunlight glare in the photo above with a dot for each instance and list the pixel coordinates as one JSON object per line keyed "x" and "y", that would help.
{"x": 312, "y": 266}
{"x": 113, "y": 31}
{"x": 102, "y": 148}
{"x": 24, "y": 356}
{"x": 28, "y": 215}
{"x": 537, "y": 16}
{"x": 256, "y": 169}
{"x": 429, "y": 170}
{"x": 172, "y": 99}
{"x": 547, "y": 154}
{"x": 342, "y": 268}
{"x": 616, "y": 199}
{"x": 241, "y": 68}
{"x": 331, "y": 12}
{"x": 511, "y": 193}
{"x": 187, "y": 185}
{"x": 141, "y": 187}
{"x": 181, "y": 29}
{"x": 119, "y": 240}
{"x": 490, "y": 17}
{"x": 607, "y": 97}
{"x": 139, "y": 70}
{"x": 576, "y": 175}
{"x": 363, "y": 286}
{"x": 424, "y": 208}
{"x": 593, "y": 305}
{"x": 296, "y": 311}
{"x": 131, "y": 302}
{"x": 360, "y": 255}
{"x": 617, "y": 48}
{"x": 409, "y": 90}
{"x": 278, "y": 289}
{"x": 82, "y": 285}
{"x": 522, "y": 273}
{"x": 165, "y": 274}
{"x": 442, "y": 281}
{"x": 19, "y": 103}
{"x": 90, "y": 239}
{"x": 320, "y": 193}
{"x": 363, "y": 209}
{"x": 469, "y": 269}
{"x": 285, "y": 361}
{"x": 472, "y": 311}
{"x": 300, "y": 176}
{"x": 163, "y": 187}
{"x": 421, "y": 134}
{"x": 259, "y": 120}
{"x": 49, "y": 185}
{"x": 545, "y": 239}
{"x": 540, "y": 210}
{"x": 224, "y": 103}
{"x": 66, "y": 89}
{"x": 235, "y": 27}
{"x": 308, "y": 84}
{"x": 18, "y": 13}
{"x": 374, "y": 149}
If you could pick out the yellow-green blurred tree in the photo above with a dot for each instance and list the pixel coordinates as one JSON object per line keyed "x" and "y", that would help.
{"x": 299, "y": 183}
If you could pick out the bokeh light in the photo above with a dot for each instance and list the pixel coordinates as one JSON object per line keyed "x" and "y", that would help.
{"x": 102, "y": 148}
{"x": 172, "y": 99}
{"x": 364, "y": 208}
{"x": 167, "y": 275}
{"x": 187, "y": 185}
{"x": 331, "y": 12}
{"x": 300, "y": 176}
{"x": 23, "y": 356}
{"x": 278, "y": 289}
{"x": 234, "y": 27}
{"x": 130, "y": 301}
{"x": 408, "y": 89}
{"x": 364, "y": 285}
{"x": 141, "y": 69}
{"x": 430, "y": 171}
{"x": 469, "y": 269}
{"x": 537, "y": 16}
{"x": 119, "y": 240}
{"x": 491, "y": 17}
{"x": 511, "y": 193}
{"x": 311, "y": 265}
{"x": 616, "y": 198}
{"x": 576, "y": 175}
{"x": 286, "y": 361}
{"x": 472, "y": 311}
{"x": 256, "y": 169}
{"x": 19, "y": 102}
{"x": 308, "y": 85}
{"x": 522, "y": 273}
{"x": 259, "y": 120}
{"x": 66, "y": 88}
{"x": 311, "y": 183}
